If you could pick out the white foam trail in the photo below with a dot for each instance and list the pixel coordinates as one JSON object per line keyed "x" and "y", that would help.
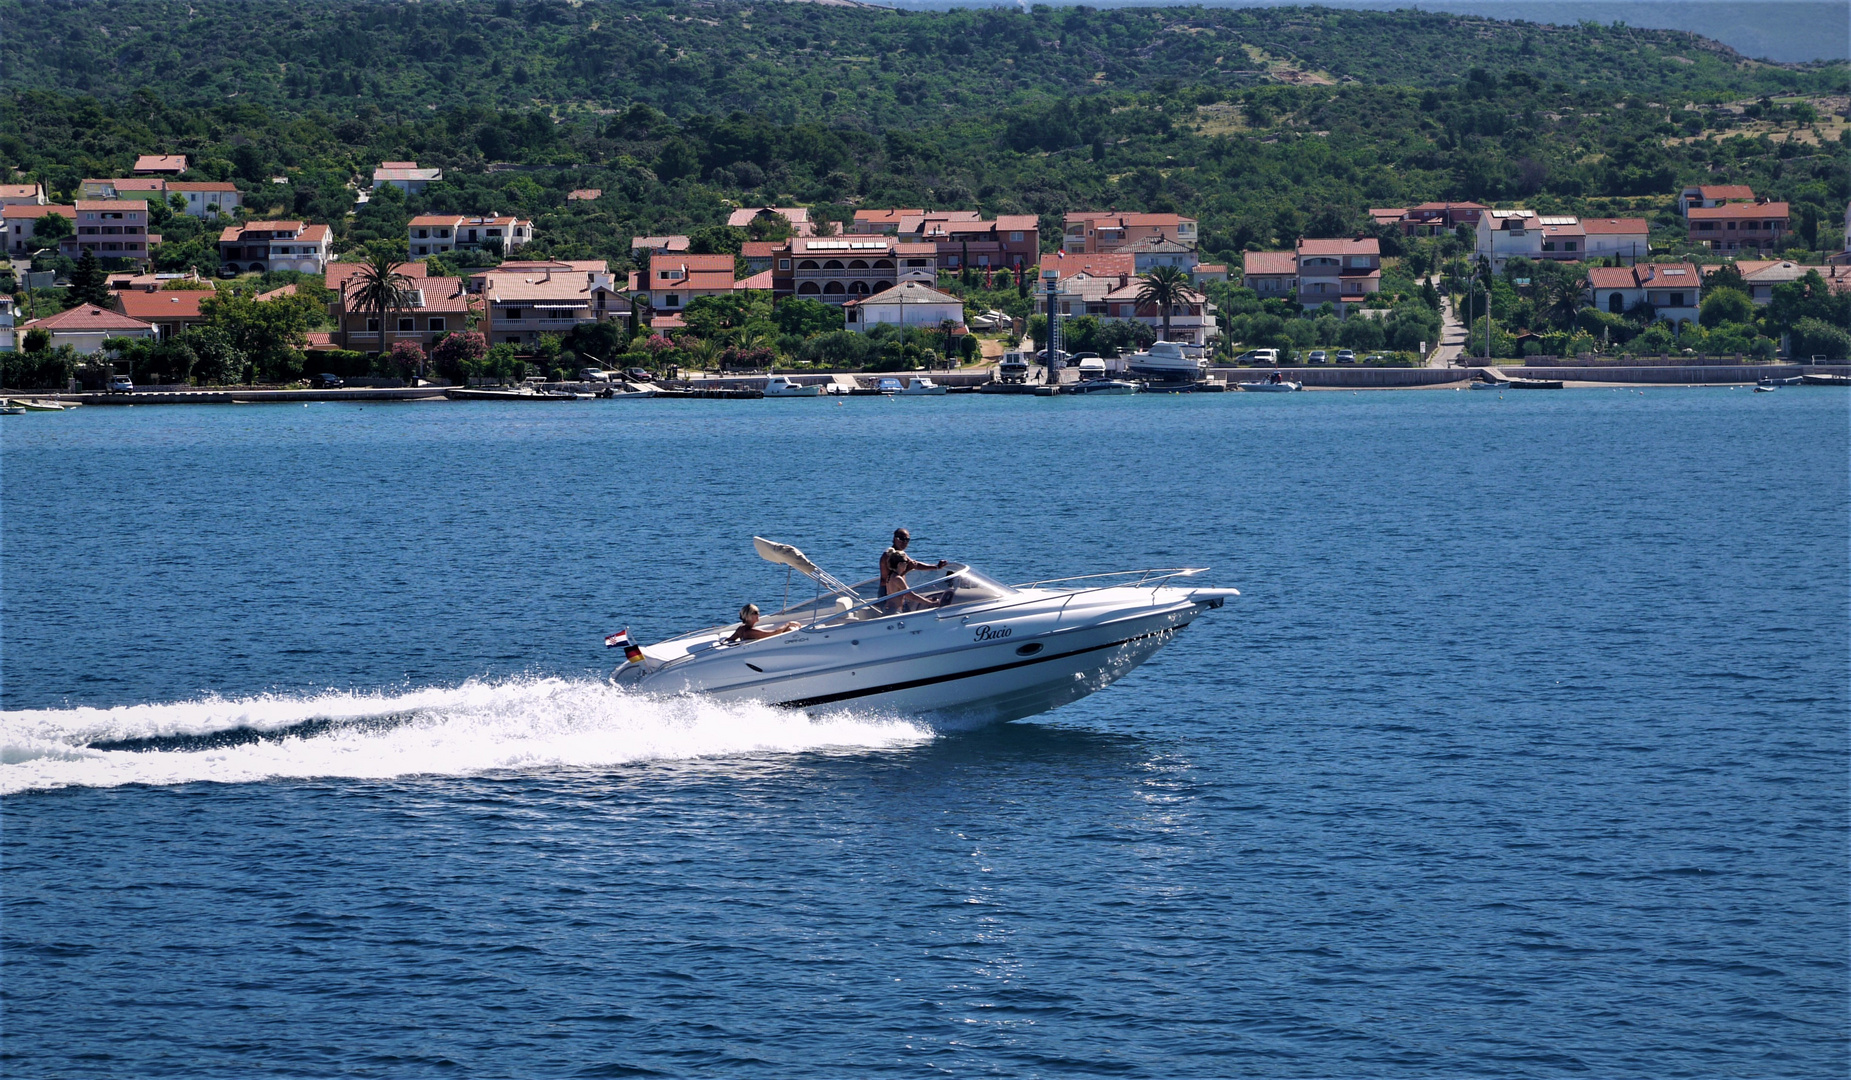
{"x": 474, "y": 728}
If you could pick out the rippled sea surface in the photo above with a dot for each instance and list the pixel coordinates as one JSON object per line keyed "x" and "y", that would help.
{"x": 1524, "y": 752}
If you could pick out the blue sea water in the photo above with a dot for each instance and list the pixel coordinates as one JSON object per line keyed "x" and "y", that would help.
{"x": 1524, "y": 752}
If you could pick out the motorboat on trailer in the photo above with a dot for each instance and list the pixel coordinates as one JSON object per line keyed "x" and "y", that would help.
{"x": 961, "y": 647}
{"x": 1165, "y": 362}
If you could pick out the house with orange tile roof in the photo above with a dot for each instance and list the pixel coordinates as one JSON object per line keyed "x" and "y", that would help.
{"x": 1671, "y": 289}
{"x": 798, "y": 216}
{"x": 169, "y": 311}
{"x": 22, "y": 218}
{"x": 1192, "y": 319}
{"x": 1340, "y": 272}
{"x": 1270, "y": 274}
{"x": 658, "y": 245}
{"x": 124, "y": 187}
{"x": 1431, "y": 218}
{"x": 1065, "y": 265}
{"x": 518, "y": 307}
{"x": 434, "y": 234}
{"x": 1011, "y": 240}
{"x": 1712, "y": 195}
{"x": 1739, "y": 226}
{"x": 434, "y": 306}
{"x": 275, "y": 245}
{"x": 338, "y": 274}
{"x": 1624, "y": 239}
{"x": 160, "y": 165}
{"x": 838, "y": 269}
{"x": 86, "y": 327}
{"x": 878, "y": 222}
{"x": 758, "y": 254}
{"x": 22, "y": 194}
{"x": 1097, "y": 232}
{"x": 110, "y": 228}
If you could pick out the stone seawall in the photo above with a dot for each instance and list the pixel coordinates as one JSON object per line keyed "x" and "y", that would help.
{"x": 1691, "y": 375}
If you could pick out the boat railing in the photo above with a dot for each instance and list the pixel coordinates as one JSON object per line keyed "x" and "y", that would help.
{"x": 1159, "y": 574}
{"x": 840, "y": 615}
{"x": 1153, "y": 578}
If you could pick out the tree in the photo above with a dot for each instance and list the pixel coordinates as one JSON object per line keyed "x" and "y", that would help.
{"x": 804, "y": 317}
{"x": 380, "y": 288}
{"x": 455, "y": 356}
{"x": 48, "y": 230}
{"x": 38, "y": 339}
{"x": 89, "y": 283}
{"x": 1166, "y": 287}
{"x": 1726, "y": 306}
{"x": 407, "y": 359}
{"x": 266, "y": 334}
{"x": 1558, "y": 301}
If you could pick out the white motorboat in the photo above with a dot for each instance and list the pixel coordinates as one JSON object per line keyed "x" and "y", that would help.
{"x": 785, "y": 386}
{"x": 1165, "y": 361}
{"x": 40, "y": 404}
{"x": 1101, "y": 386}
{"x": 961, "y": 648}
{"x": 922, "y": 387}
{"x": 1282, "y": 386}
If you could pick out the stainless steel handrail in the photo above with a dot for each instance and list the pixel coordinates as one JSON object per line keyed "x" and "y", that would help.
{"x": 817, "y": 624}
{"x": 1165, "y": 572}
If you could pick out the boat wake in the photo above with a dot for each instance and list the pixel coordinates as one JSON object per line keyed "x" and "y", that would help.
{"x": 475, "y": 728}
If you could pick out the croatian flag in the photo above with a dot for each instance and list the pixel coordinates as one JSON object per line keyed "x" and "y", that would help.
{"x": 621, "y": 640}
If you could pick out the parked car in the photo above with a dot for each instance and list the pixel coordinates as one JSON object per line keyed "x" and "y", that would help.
{"x": 1260, "y": 357}
{"x": 228, "y": 271}
{"x": 638, "y": 374}
{"x": 1318, "y": 356}
{"x": 592, "y": 374}
{"x": 121, "y": 384}
{"x": 1345, "y": 356}
{"x": 328, "y": 380}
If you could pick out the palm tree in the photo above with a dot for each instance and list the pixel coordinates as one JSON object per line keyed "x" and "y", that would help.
{"x": 379, "y": 287}
{"x": 1562, "y": 302}
{"x": 1165, "y": 286}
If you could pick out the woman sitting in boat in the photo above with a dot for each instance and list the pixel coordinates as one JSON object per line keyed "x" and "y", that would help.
{"x": 748, "y": 626}
{"x": 895, "y": 565}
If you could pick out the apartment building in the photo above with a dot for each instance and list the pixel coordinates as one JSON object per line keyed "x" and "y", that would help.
{"x": 112, "y": 228}
{"x": 835, "y": 270}
{"x": 207, "y": 198}
{"x": 1271, "y": 275}
{"x": 434, "y": 306}
{"x": 1092, "y": 232}
{"x": 1012, "y": 240}
{"x": 1338, "y": 272}
{"x": 434, "y": 234}
{"x": 1698, "y": 196}
{"x": 1739, "y": 226}
{"x": 519, "y": 307}
{"x": 275, "y": 245}
{"x": 675, "y": 280}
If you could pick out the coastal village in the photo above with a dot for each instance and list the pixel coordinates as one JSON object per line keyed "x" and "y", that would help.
{"x": 927, "y": 288}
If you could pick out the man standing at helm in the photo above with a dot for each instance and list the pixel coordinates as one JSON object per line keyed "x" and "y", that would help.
{"x": 896, "y": 564}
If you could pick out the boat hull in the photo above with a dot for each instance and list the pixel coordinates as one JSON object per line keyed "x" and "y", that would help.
{"x": 976, "y": 670}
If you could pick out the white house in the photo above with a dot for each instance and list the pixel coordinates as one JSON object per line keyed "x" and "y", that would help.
{"x": 207, "y": 199}
{"x": 276, "y": 245}
{"x": 910, "y": 303}
{"x": 434, "y": 234}
{"x": 1671, "y": 288}
{"x": 86, "y": 326}
{"x": 22, "y": 194}
{"x": 406, "y": 176}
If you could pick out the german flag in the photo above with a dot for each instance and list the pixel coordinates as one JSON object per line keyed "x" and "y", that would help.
{"x": 621, "y": 640}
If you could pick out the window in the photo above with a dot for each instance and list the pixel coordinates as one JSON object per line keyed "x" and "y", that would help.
{"x": 437, "y": 324}
{"x": 1732, "y": 226}
{"x": 512, "y": 339}
{"x": 1015, "y": 236}
{"x": 372, "y": 326}
{"x": 515, "y": 313}
{"x": 1616, "y": 304}
{"x": 406, "y": 326}
{"x": 424, "y": 234}
{"x": 1569, "y": 246}
{"x": 784, "y": 264}
{"x": 671, "y": 300}
{"x": 1677, "y": 300}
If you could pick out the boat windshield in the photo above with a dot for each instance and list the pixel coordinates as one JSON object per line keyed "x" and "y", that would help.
{"x": 931, "y": 590}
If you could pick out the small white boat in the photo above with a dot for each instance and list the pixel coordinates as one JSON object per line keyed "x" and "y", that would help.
{"x": 1101, "y": 386}
{"x": 785, "y": 386}
{"x": 922, "y": 387}
{"x": 12, "y": 410}
{"x": 1165, "y": 361}
{"x": 39, "y": 405}
{"x": 1487, "y": 386}
{"x": 959, "y": 647}
{"x": 1281, "y": 386}
{"x": 1765, "y": 389}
